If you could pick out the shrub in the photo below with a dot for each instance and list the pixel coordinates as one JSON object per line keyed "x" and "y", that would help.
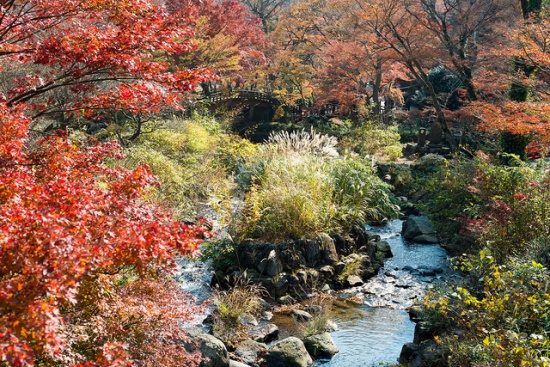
{"x": 503, "y": 314}
{"x": 461, "y": 194}
{"x": 371, "y": 139}
{"x": 359, "y": 195}
{"x": 393, "y": 152}
{"x": 296, "y": 190}
{"x": 184, "y": 155}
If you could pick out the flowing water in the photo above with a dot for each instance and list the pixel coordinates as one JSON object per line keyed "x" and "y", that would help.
{"x": 374, "y": 326}
{"x": 194, "y": 277}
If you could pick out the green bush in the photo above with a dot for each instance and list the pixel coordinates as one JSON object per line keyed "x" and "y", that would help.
{"x": 499, "y": 317}
{"x": 457, "y": 194}
{"x": 371, "y": 139}
{"x": 359, "y": 195}
{"x": 184, "y": 155}
{"x": 393, "y": 152}
{"x": 296, "y": 188}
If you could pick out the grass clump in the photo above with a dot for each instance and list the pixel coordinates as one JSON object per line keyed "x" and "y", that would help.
{"x": 184, "y": 155}
{"x": 232, "y": 309}
{"x": 298, "y": 187}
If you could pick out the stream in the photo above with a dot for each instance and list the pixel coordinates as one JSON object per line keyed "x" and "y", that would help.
{"x": 372, "y": 320}
{"x": 374, "y": 326}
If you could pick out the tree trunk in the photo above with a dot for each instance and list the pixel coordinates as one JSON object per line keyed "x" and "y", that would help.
{"x": 376, "y": 90}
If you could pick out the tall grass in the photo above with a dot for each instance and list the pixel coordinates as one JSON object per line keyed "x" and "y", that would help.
{"x": 183, "y": 154}
{"x": 297, "y": 187}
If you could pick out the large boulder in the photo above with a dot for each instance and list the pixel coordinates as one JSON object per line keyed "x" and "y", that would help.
{"x": 385, "y": 248}
{"x": 212, "y": 349}
{"x": 233, "y": 363}
{"x": 271, "y": 265}
{"x": 250, "y": 352}
{"x": 321, "y": 345}
{"x": 328, "y": 248}
{"x": 289, "y": 352}
{"x": 419, "y": 229}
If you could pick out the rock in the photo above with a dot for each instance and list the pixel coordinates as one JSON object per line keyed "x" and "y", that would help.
{"x": 301, "y": 316}
{"x": 340, "y": 243}
{"x": 312, "y": 276}
{"x": 331, "y": 326}
{"x": 211, "y": 348}
{"x": 289, "y": 352}
{"x": 286, "y": 300}
{"x": 281, "y": 287}
{"x": 291, "y": 259}
{"x": 426, "y": 239}
{"x": 265, "y": 305}
{"x": 248, "y": 319}
{"x": 415, "y": 313}
{"x": 328, "y": 248}
{"x": 312, "y": 252}
{"x": 326, "y": 288}
{"x": 422, "y": 332}
{"x": 274, "y": 265}
{"x": 375, "y": 238}
{"x": 302, "y": 277}
{"x": 262, "y": 265}
{"x": 427, "y": 272}
{"x": 250, "y": 351}
{"x": 321, "y": 346}
{"x": 354, "y": 281}
{"x": 326, "y": 271}
{"x": 338, "y": 267}
{"x": 385, "y": 248}
{"x": 410, "y": 353}
{"x": 417, "y": 226}
{"x": 233, "y": 363}
{"x": 265, "y": 333}
{"x": 314, "y": 308}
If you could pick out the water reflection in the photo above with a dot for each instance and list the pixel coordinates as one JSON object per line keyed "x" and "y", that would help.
{"x": 369, "y": 336}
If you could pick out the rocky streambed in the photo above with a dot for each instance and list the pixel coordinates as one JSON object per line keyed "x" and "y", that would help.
{"x": 369, "y": 307}
{"x": 372, "y": 318}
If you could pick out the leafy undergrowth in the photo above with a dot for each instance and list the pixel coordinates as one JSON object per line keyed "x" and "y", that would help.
{"x": 296, "y": 186}
{"x": 499, "y": 314}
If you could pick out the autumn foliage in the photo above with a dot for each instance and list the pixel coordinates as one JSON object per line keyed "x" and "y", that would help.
{"x": 84, "y": 260}
{"x": 106, "y": 54}
{"x": 71, "y": 230}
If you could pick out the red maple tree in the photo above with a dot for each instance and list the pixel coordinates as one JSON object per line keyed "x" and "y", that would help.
{"x": 84, "y": 260}
{"x": 71, "y": 230}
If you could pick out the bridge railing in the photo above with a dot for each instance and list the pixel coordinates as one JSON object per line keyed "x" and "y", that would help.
{"x": 301, "y": 111}
{"x": 243, "y": 95}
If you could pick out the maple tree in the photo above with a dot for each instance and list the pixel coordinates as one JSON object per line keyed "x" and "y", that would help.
{"x": 266, "y": 10}
{"x": 84, "y": 260}
{"x": 228, "y": 39}
{"x": 358, "y": 68}
{"x": 70, "y": 229}
{"x": 521, "y": 109}
{"x": 107, "y": 54}
{"x": 465, "y": 29}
